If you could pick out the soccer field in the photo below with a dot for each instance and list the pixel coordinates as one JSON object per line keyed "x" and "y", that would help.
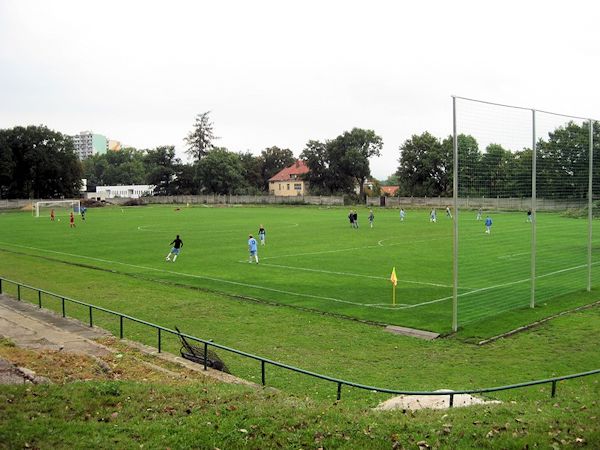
{"x": 313, "y": 258}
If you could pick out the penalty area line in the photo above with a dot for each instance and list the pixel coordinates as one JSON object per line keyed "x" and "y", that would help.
{"x": 349, "y": 274}
{"x": 201, "y": 277}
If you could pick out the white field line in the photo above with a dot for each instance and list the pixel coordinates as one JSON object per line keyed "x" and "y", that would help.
{"x": 349, "y": 274}
{"x": 513, "y": 255}
{"x": 202, "y": 277}
{"x": 499, "y": 285}
{"x": 145, "y": 228}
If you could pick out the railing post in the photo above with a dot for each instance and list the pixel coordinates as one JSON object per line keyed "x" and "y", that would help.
{"x": 339, "y": 391}
{"x": 121, "y": 327}
{"x": 63, "y": 307}
{"x": 39, "y": 299}
{"x": 0, "y": 285}
{"x": 553, "y": 389}
{"x": 19, "y": 292}
{"x": 262, "y": 369}
{"x": 205, "y": 356}
{"x": 451, "y": 400}
{"x": 159, "y": 346}
{"x": 91, "y": 321}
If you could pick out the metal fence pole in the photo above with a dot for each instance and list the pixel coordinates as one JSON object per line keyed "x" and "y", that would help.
{"x": 533, "y": 207}
{"x": 159, "y": 341}
{"x": 262, "y": 370}
{"x": 63, "y": 307}
{"x": 455, "y": 221}
{"x": 590, "y": 205}
{"x": 39, "y": 299}
{"x": 121, "y": 327}
{"x": 91, "y": 321}
{"x": 19, "y": 292}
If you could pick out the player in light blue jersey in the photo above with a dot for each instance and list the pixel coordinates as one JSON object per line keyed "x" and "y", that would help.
{"x": 253, "y": 249}
{"x": 433, "y": 216}
{"x": 488, "y": 225}
{"x": 402, "y": 215}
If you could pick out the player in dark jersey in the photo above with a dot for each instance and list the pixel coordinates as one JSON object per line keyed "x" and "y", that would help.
{"x": 261, "y": 235}
{"x": 177, "y": 244}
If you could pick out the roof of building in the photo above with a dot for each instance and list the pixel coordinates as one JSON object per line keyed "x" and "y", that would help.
{"x": 291, "y": 172}
{"x": 390, "y": 189}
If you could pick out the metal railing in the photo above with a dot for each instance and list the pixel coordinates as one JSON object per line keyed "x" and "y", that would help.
{"x": 264, "y": 361}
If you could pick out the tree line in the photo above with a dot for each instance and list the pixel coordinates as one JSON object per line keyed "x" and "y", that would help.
{"x": 562, "y": 161}
{"x": 38, "y": 162}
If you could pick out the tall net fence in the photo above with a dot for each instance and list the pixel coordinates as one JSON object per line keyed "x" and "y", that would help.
{"x": 526, "y": 172}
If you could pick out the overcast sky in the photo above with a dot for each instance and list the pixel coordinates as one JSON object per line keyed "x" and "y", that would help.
{"x": 281, "y": 73}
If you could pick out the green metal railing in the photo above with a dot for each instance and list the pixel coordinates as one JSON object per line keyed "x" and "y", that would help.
{"x": 264, "y": 361}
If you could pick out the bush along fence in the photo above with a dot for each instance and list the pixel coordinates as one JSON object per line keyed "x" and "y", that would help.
{"x": 264, "y": 362}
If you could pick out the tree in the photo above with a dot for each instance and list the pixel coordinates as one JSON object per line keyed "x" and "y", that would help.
{"x": 495, "y": 167}
{"x": 424, "y": 166}
{"x": 161, "y": 165}
{"x": 252, "y": 172}
{"x": 220, "y": 172}
{"x": 562, "y": 161}
{"x": 38, "y": 162}
{"x": 319, "y": 178}
{"x": 272, "y": 160}
{"x": 200, "y": 139}
{"x": 349, "y": 155}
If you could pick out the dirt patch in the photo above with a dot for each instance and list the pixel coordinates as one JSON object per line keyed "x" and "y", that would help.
{"x": 414, "y": 402}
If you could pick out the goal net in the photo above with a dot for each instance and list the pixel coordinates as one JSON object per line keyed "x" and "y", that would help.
{"x": 60, "y": 207}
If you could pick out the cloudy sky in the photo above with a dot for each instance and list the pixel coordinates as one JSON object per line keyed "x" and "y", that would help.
{"x": 281, "y": 73}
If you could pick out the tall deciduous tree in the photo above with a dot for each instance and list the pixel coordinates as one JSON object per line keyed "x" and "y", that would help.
{"x": 220, "y": 172}
{"x": 422, "y": 170}
{"x": 161, "y": 168}
{"x": 349, "y": 154}
{"x": 38, "y": 162}
{"x": 200, "y": 139}
{"x": 316, "y": 157}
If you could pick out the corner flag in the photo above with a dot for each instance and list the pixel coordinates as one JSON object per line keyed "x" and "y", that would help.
{"x": 394, "y": 281}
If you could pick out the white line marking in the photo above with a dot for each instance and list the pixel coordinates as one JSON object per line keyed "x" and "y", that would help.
{"x": 373, "y": 277}
{"x": 524, "y": 280}
{"x": 512, "y": 255}
{"x": 202, "y": 277}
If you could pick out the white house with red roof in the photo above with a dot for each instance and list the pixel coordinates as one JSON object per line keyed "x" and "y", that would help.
{"x": 289, "y": 182}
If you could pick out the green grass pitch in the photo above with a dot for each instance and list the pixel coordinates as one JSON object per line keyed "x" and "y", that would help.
{"x": 313, "y": 259}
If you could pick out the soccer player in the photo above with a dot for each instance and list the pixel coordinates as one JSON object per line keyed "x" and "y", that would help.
{"x": 83, "y": 210}
{"x": 72, "y": 220}
{"x": 479, "y": 212}
{"x": 252, "y": 249}
{"x": 433, "y": 216}
{"x": 448, "y": 213}
{"x": 371, "y": 217}
{"x": 52, "y": 215}
{"x": 355, "y": 218}
{"x": 261, "y": 235}
{"x": 177, "y": 244}
{"x": 488, "y": 225}
{"x": 402, "y": 215}
{"x": 529, "y": 217}
{"x": 351, "y": 218}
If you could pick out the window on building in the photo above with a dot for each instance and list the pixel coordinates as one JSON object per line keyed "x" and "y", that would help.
{"x": 298, "y": 186}
{"x": 288, "y": 187}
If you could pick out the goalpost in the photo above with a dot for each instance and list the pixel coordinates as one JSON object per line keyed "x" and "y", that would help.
{"x": 60, "y": 207}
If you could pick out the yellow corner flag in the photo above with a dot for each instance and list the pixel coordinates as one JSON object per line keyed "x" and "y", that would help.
{"x": 394, "y": 281}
